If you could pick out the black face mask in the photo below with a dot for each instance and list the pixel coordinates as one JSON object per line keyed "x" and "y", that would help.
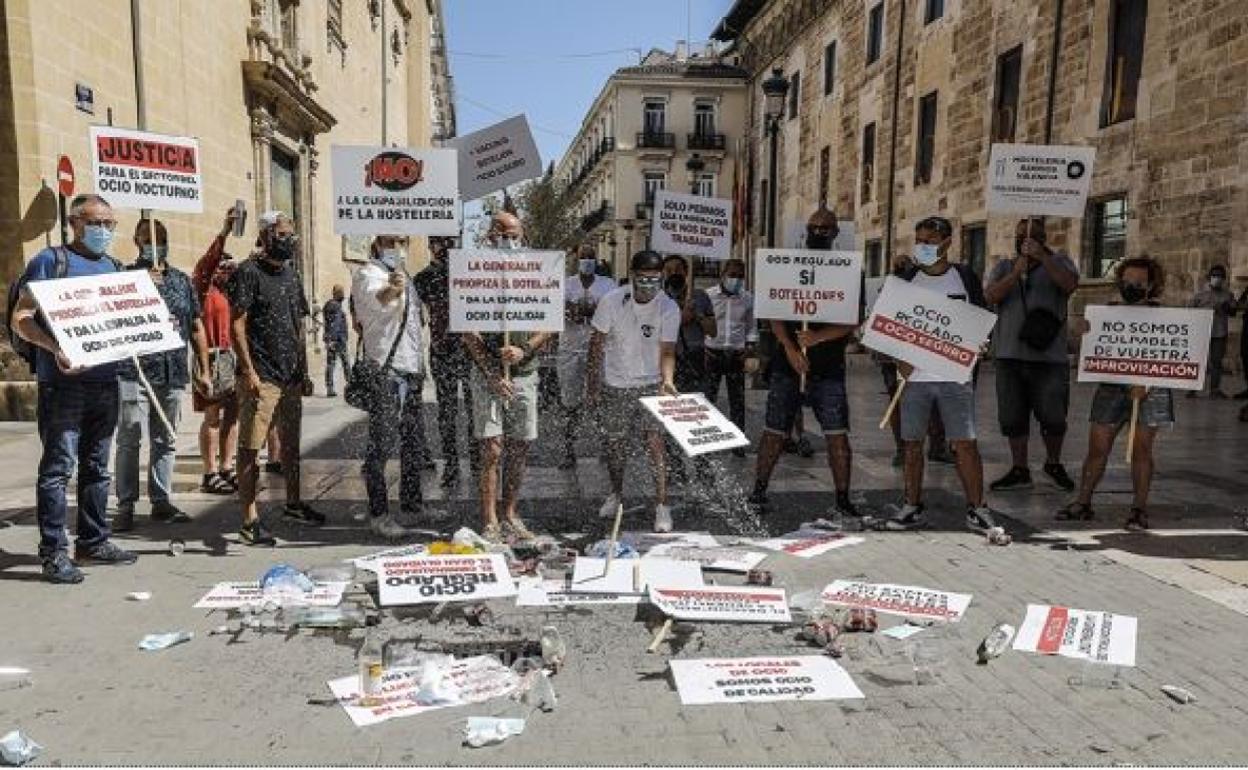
{"x": 1132, "y": 293}
{"x": 821, "y": 242}
{"x": 675, "y": 285}
{"x": 283, "y": 248}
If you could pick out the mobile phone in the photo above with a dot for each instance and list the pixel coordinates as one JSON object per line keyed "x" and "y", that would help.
{"x": 240, "y": 217}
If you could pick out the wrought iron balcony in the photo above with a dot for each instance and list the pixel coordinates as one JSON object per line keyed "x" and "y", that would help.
{"x": 643, "y": 209}
{"x": 595, "y": 217}
{"x": 665, "y": 141}
{"x": 703, "y": 141}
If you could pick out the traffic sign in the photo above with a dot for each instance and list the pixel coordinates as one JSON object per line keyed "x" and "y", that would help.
{"x": 65, "y": 176}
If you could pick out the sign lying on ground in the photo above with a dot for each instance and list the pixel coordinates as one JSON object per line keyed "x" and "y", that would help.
{"x": 715, "y": 557}
{"x": 535, "y": 592}
{"x": 807, "y": 545}
{"x": 493, "y": 290}
{"x": 744, "y": 604}
{"x": 142, "y": 170}
{"x": 930, "y": 331}
{"x": 696, "y": 425}
{"x": 805, "y": 285}
{"x": 905, "y": 601}
{"x": 425, "y": 579}
{"x": 1101, "y": 637}
{"x": 372, "y": 561}
{"x": 97, "y": 319}
{"x": 231, "y": 596}
{"x": 1166, "y": 347}
{"x": 692, "y": 225}
{"x": 496, "y": 157}
{"x": 632, "y": 576}
{"x": 1039, "y": 180}
{"x": 395, "y": 191}
{"x": 751, "y": 680}
{"x": 405, "y": 692}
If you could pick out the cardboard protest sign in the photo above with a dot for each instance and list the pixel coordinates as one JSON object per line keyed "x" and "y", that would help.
{"x": 231, "y": 596}
{"x": 1163, "y": 347}
{"x": 395, "y": 191}
{"x": 496, "y": 157}
{"x": 807, "y": 285}
{"x": 373, "y": 561}
{"x": 930, "y": 331}
{"x": 905, "y": 601}
{"x": 1101, "y": 637}
{"x": 142, "y": 170}
{"x": 424, "y": 579}
{"x": 1039, "y": 180}
{"x": 692, "y": 225}
{"x": 493, "y": 290}
{"x": 807, "y": 545}
{"x": 471, "y": 680}
{"x": 98, "y": 319}
{"x": 715, "y": 557}
{"x": 746, "y": 604}
{"x": 632, "y": 576}
{"x": 535, "y": 592}
{"x": 751, "y": 680}
{"x": 695, "y": 423}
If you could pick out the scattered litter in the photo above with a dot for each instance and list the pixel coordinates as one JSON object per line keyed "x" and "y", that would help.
{"x": 744, "y": 680}
{"x": 342, "y": 616}
{"x": 446, "y": 548}
{"x": 478, "y": 615}
{"x": 623, "y": 550}
{"x": 554, "y": 649}
{"x": 165, "y": 640}
{"x": 996, "y": 642}
{"x": 903, "y": 631}
{"x": 1178, "y": 694}
{"x": 332, "y": 573}
{"x": 535, "y": 689}
{"x": 177, "y": 547}
{"x": 139, "y": 596}
{"x": 998, "y": 536}
{"x": 824, "y": 633}
{"x": 808, "y": 543}
{"x": 1097, "y": 676}
{"x": 407, "y": 691}
{"x": 631, "y": 576}
{"x": 906, "y": 601}
{"x": 220, "y": 630}
{"x": 724, "y": 558}
{"x": 1078, "y": 634}
{"x": 724, "y": 603}
{"x": 534, "y": 592}
{"x": 231, "y": 596}
{"x": 16, "y": 748}
{"x": 487, "y": 731}
{"x": 285, "y": 579}
{"x": 370, "y": 562}
{"x": 758, "y": 577}
{"x": 437, "y": 579}
{"x": 372, "y": 666}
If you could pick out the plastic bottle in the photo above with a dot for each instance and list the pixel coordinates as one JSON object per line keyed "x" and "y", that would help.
{"x": 996, "y": 642}
{"x": 177, "y": 547}
{"x": 372, "y": 667}
{"x": 554, "y": 649}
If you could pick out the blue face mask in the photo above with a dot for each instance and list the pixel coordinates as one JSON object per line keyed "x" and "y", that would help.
{"x": 587, "y": 266}
{"x": 389, "y": 257}
{"x": 926, "y": 254}
{"x": 733, "y": 285}
{"x": 97, "y": 238}
{"x": 149, "y": 256}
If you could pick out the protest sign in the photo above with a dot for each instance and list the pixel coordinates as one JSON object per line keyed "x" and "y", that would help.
{"x": 746, "y": 604}
{"x": 1101, "y": 637}
{"x": 805, "y": 285}
{"x": 930, "y": 331}
{"x": 98, "y": 319}
{"x": 644, "y": 542}
{"x": 495, "y": 157}
{"x": 409, "y": 691}
{"x": 807, "y": 545}
{"x": 749, "y": 680}
{"x": 142, "y": 170}
{"x": 395, "y": 191}
{"x": 231, "y": 596}
{"x": 493, "y": 290}
{"x": 695, "y": 423}
{"x": 1164, "y": 347}
{"x": 424, "y": 579}
{"x": 692, "y": 225}
{"x": 1039, "y": 180}
{"x": 536, "y": 592}
{"x": 905, "y": 601}
{"x": 372, "y": 561}
{"x": 632, "y": 576}
{"x": 715, "y": 557}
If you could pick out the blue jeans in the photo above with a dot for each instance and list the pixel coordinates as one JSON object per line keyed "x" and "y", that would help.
{"x": 76, "y": 422}
{"x": 335, "y": 352}
{"x": 136, "y": 411}
{"x": 395, "y": 419}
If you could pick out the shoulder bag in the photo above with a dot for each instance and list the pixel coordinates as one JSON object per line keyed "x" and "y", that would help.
{"x": 364, "y": 383}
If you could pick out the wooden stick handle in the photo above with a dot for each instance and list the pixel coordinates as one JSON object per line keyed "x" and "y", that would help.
{"x": 151, "y": 396}
{"x": 660, "y": 635}
{"x": 1135, "y": 419}
{"x": 506, "y": 366}
{"x": 888, "y": 413}
{"x": 801, "y": 384}
{"x": 615, "y": 535}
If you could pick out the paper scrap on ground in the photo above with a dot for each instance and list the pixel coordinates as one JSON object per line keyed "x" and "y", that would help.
{"x": 231, "y": 596}
{"x": 425, "y": 579}
{"x": 473, "y": 680}
{"x": 744, "y": 604}
{"x": 724, "y": 558}
{"x": 905, "y": 601}
{"x": 745, "y": 680}
{"x": 807, "y": 545}
{"x": 903, "y": 631}
{"x": 535, "y": 592}
{"x": 1102, "y": 637}
{"x": 373, "y": 560}
{"x": 631, "y": 576}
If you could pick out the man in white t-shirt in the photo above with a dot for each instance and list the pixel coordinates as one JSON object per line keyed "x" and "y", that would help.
{"x": 581, "y": 296}
{"x": 925, "y": 391}
{"x": 633, "y": 349}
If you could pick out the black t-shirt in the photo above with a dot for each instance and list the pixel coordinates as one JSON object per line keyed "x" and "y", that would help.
{"x": 827, "y": 359}
{"x": 433, "y": 288}
{"x": 274, "y": 303}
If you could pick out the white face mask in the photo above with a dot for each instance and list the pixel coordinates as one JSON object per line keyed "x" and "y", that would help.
{"x": 1216, "y": 281}
{"x": 926, "y": 254}
{"x": 391, "y": 258}
{"x": 506, "y": 243}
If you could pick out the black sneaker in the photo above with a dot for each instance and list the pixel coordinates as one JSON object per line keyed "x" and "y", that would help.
{"x": 981, "y": 518}
{"x": 1057, "y": 472}
{"x": 123, "y": 520}
{"x": 105, "y": 553}
{"x": 1016, "y": 478}
{"x": 58, "y": 569}
{"x": 303, "y": 513}
{"x": 169, "y": 513}
{"x": 910, "y": 517}
{"x": 255, "y": 533}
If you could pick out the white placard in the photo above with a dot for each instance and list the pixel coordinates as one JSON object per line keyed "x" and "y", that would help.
{"x": 696, "y": 424}
{"x": 632, "y": 576}
{"x": 724, "y": 558}
{"x": 905, "y": 601}
{"x": 425, "y": 579}
{"x": 644, "y": 542}
{"x": 1101, "y": 637}
{"x": 472, "y": 680}
{"x": 692, "y": 225}
{"x": 142, "y": 170}
{"x": 495, "y": 290}
{"x": 535, "y": 592}
{"x": 395, "y": 191}
{"x": 807, "y": 285}
{"x": 496, "y": 157}
{"x": 1039, "y": 180}
{"x": 231, "y": 596}
{"x": 1165, "y": 347}
{"x": 372, "y": 561}
{"x": 744, "y": 604}
{"x": 98, "y": 319}
{"x": 751, "y": 680}
{"x": 807, "y": 545}
{"x": 930, "y": 331}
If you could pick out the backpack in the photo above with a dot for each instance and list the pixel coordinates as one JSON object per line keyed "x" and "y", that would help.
{"x": 16, "y": 341}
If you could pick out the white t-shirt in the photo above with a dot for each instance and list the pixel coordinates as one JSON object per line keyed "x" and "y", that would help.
{"x": 632, "y": 353}
{"x": 574, "y": 339}
{"x": 948, "y": 283}
{"x": 381, "y": 322}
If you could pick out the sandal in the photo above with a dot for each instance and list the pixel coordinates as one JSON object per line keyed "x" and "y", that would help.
{"x": 515, "y": 529}
{"x": 1137, "y": 521}
{"x": 1075, "y": 512}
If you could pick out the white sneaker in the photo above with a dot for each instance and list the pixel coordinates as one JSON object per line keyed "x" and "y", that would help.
{"x": 608, "y": 509}
{"x": 387, "y": 527}
{"x": 662, "y": 518}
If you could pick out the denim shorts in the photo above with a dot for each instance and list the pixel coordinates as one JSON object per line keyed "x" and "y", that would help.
{"x": 824, "y": 395}
{"x": 1111, "y": 405}
{"x": 1026, "y": 388}
{"x": 955, "y": 402}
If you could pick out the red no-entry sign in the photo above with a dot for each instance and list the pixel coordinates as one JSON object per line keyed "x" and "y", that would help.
{"x": 65, "y": 176}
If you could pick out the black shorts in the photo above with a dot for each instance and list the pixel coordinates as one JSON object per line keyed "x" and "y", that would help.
{"x": 1026, "y": 388}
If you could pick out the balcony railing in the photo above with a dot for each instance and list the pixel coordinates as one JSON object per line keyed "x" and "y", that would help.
{"x": 595, "y": 217}
{"x": 643, "y": 209}
{"x": 660, "y": 141}
{"x": 607, "y": 145}
{"x": 703, "y": 141}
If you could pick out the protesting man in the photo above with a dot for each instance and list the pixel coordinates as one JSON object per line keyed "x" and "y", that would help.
{"x": 730, "y": 348}
{"x": 218, "y": 433}
{"x": 267, "y": 327}
{"x": 334, "y": 335}
{"x": 77, "y": 407}
{"x": 1030, "y": 294}
{"x": 633, "y": 349}
{"x": 925, "y": 391}
{"x": 581, "y": 297}
{"x": 1217, "y": 297}
{"x": 388, "y": 311}
{"x": 1140, "y": 281}
{"x": 816, "y": 354}
{"x": 504, "y": 400}
{"x": 697, "y": 320}
{"x": 167, "y": 375}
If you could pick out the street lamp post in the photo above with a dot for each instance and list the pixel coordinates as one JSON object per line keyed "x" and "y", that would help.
{"x": 694, "y": 166}
{"x": 775, "y": 88}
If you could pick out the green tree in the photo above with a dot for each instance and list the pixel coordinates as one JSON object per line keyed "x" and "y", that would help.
{"x": 545, "y": 209}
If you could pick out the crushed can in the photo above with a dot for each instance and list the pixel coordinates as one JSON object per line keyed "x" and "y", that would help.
{"x": 758, "y": 577}
{"x": 859, "y": 619}
{"x": 478, "y": 615}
